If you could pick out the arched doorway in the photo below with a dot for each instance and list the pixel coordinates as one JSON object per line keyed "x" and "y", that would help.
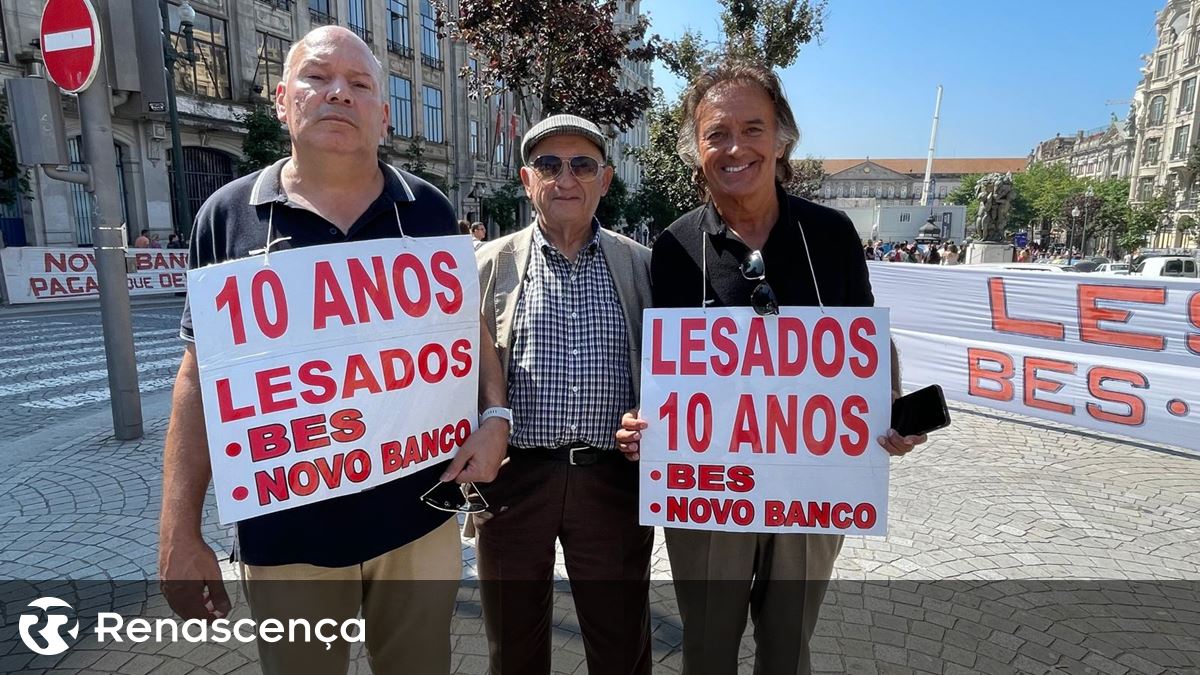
{"x": 205, "y": 170}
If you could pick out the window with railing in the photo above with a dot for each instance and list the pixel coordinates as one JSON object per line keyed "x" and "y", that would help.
{"x": 399, "y": 40}
{"x": 400, "y": 102}
{"x": 271, "y": 54}
{"x": 1151, "y": 151}
{"x": 1187, "y": 95}
{"x": 1160, "y": 65}
{"x": 1145, "y": 189}
{"x": 474, "y": 138}
{"x": 432, "y": 100}
{"x": 1179, "y": 146}
{"x": 431, "y": 46}
{"x": 1158, "y": 110}
{"x": 321, "y": 11}
{"x": 208, "y": 75}
{"x": 356, "y": 19}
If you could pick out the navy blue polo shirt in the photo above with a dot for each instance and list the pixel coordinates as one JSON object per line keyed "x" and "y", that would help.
{"x": 351, "y": 529}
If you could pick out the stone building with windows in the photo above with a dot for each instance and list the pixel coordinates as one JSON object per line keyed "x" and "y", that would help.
{"x": 1165, "y": 133}
{"x": 240, "y": 46}
{"x": 898, "y": 182}
{"x": 1100, "y": 154}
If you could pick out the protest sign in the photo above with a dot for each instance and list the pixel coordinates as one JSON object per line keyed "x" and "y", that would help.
{"x": 1118, "y": 355}
{"x": 766, "y": 423}
{"x": 333, "y": 369}
{"x": 38, "y": 274}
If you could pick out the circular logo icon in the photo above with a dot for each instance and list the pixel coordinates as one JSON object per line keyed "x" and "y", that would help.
{"x": 43, "y": 630}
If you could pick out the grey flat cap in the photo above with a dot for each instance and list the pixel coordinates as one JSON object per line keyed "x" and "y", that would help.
{"x": 558, "y": 125}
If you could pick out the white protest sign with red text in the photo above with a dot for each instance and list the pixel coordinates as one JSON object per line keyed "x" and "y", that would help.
{"x": 70, "y": 40}
{"x": 1116, "y": 354}
{"x": 766, "y": 423}
{"x": 41, "y": 274}
{"x": 335, "y": 368}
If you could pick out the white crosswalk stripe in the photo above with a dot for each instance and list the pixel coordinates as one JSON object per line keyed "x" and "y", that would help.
{"x": 95, "y": 348}
{"x": 97, "y": 360}
{"x": 94, "y": 396}
{"x": 77, "y": 378}
{"x": 92, "y": 340}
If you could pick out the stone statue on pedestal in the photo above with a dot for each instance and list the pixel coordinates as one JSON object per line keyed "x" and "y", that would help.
{"x": 994, "y": 192}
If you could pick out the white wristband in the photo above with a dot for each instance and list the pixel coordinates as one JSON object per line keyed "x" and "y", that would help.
{"x": 496, "y": 411}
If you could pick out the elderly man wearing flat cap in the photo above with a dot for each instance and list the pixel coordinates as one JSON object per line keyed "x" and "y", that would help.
{"x": 564, "y": 298}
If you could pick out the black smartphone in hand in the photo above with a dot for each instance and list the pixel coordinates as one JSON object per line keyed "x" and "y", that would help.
{"x": 920, "y": 412}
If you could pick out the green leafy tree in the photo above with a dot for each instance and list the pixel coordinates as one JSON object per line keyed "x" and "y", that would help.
{"x": 417, "y": 166}
{"x": 9, "y": 169}
{"x": 1143, "y": 221}
{"x": 769, "y": 31}
{"x": 502, "y": 205}
{"x": 265, "y": 141}
{"x": 808, "y": 175}
{"x": 1039, "y": 195}
{"x": 565, "y": 54}
{"x": 612, "y": 207}
{"x": 964, "y": 195}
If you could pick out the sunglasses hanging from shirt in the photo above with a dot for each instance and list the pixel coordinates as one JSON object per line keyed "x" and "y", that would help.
{"x": 754, "y": 268}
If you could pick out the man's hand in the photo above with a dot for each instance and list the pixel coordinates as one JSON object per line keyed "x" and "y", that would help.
{"x": 478, "y": 460}
{"x": 629, "y": 436}
{"x": 895, "y": 444}
{"x": 191, "y": 579}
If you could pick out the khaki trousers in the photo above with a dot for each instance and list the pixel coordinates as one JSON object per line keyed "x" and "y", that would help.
{"x": 406, "y": 598}
{"x": 780, "y": 578}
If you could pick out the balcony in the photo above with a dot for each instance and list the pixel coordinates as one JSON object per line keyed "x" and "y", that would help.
{"x": 436, "y": 64}
{"x": 362, "y": 33}
{"x": 400, "y": 49}
{"x": 321, "y": 18}
{"x": 285, "y": 5}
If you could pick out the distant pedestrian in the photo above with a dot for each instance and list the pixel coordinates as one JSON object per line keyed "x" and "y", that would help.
{"x": 479, "y": 232}
{"x": 142, "y": 241}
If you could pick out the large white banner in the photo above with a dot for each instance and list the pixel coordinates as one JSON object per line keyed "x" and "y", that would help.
{"x": 766, "y": 423}
{"x": 332, "y": 369}
{"x": 34, "y": 274}
{"x": 1116, "y": 354}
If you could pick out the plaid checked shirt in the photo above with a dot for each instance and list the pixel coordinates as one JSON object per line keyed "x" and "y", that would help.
{"x": 568, "y": 376}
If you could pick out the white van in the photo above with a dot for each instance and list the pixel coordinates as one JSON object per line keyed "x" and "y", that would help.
{"x": 1167, "y": 266}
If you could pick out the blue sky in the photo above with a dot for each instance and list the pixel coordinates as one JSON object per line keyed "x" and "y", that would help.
{"x": 1014, "y": 73}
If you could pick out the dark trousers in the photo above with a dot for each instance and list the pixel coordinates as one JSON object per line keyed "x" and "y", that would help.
{"x": 592, "y": 510}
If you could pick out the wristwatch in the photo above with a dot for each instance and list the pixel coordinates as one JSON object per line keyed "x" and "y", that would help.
{"x": 496, "y": 411}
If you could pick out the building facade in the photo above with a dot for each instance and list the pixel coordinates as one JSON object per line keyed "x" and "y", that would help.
{"x": 465, "y": 144}
{"x": 898, "y": 182}
{"x": 1165, "y": 133}
{"x": 1098, "y": 154}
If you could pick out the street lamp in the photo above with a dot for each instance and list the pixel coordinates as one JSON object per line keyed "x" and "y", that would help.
{"x": 187, "y": 19}
{"x": 1071, "y": 235}
{"x": 1087, "y": 203}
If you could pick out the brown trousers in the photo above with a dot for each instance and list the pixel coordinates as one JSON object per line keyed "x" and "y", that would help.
{"x": 406, "y": 597}
{"x": 592, "y": 510}
{"x": 780, "y": 578}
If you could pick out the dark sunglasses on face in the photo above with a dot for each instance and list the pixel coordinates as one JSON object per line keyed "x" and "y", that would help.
{"x": 549, "y": 167}
{"x": 762, "y": 298}
{"x": 454, "y": 498}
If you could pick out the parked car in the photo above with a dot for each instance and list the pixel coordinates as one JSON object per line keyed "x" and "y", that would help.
{"x": 1167, "y": 266}
{"x": 1113, "y": 268}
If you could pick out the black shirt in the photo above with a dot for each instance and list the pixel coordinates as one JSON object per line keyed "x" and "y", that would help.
{"x": 351, "y": 529}
{"x": 837, "y": 260}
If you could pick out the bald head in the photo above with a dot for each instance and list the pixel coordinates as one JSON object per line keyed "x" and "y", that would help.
{"x": 331, "y": 38}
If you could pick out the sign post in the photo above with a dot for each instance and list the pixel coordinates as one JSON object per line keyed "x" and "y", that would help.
{"x": 71, "y": 47}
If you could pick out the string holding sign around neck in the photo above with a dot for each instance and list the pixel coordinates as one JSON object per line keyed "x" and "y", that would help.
{"x": 266, "y": 250}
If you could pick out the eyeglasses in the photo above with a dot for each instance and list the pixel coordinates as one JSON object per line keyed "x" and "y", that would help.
{"x": 549, "y": 167}
{"x": 762, "y": 298}
{"x": 454, "y": 498}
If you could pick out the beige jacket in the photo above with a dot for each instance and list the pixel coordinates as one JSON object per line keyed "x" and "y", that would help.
{"x": 504, "y": 263}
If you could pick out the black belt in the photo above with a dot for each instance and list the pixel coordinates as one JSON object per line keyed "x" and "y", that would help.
{"x": 575, "y": 454}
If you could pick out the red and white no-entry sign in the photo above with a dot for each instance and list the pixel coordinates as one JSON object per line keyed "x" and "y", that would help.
{"x": 70, "y": 36}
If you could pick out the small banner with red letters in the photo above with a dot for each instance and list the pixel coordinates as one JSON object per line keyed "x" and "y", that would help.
{"x": 328, "y": 370}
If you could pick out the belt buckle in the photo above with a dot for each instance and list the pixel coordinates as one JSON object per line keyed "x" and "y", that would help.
{"x": 584, "y": 460}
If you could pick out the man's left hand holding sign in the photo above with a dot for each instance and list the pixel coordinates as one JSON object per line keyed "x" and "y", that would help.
{"x": 326, "y": 386}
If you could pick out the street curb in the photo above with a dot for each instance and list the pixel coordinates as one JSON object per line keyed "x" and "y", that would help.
{"x": 88, "y": 305}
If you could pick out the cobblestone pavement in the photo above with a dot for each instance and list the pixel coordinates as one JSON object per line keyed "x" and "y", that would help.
{"x": 1014, "y": 547}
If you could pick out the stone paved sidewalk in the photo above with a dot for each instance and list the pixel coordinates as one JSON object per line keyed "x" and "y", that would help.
{"x": 1014, "y": 547}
